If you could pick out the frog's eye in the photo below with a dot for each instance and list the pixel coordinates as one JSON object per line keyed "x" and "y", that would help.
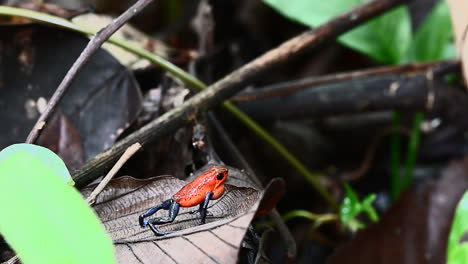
{"x": 220, "y": 176}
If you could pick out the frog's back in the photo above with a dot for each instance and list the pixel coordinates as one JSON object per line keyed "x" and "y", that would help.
{"x": 194, "y": 192}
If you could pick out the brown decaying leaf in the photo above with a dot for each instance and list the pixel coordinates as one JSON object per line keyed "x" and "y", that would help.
{"x": 273, "y": 192}
{"x": 218, "y": 241}
{"x": 416, "y": 228}
{"x": 458, "y": 10}
{"x": 63, "y": 138}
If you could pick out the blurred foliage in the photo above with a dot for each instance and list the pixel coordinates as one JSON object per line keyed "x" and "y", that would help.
{"x": 387, "y": 38}
{"x": 44, "y": 219}
{"x": 457, "y": 250}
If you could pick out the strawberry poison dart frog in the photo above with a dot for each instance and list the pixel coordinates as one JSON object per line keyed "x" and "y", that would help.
{"x": 206, "y": 187}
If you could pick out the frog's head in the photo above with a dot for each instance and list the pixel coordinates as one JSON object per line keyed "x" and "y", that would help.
{"x": 219, "y": 173}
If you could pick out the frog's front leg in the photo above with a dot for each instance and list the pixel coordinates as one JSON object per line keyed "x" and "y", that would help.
{"x": 203, "y": 208}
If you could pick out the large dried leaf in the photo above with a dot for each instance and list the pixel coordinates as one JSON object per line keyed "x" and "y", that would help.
{"x": 128, "y": 33}
{"x": 100, "y": 104}
{"x": 416, "y": 228}
{"x": 218, "y": 241}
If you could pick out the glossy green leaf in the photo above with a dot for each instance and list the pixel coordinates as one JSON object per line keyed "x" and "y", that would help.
{"x": 433, "y": 39}
{"x": 385, "y": 38}
{"x": 44, "y": 219}
{"x": 457, "y": 250}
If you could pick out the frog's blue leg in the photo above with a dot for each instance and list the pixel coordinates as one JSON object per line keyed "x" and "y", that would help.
{"x": 159, "y": 232}
{"x": 170, "y": 205}
{"x": 198, "y": 210}
{"x": 204, "y": 207}
{"x": 173, "y": 212}
{"x": 164, "y": 205}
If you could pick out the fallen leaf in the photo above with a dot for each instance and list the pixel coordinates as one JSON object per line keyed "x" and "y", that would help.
{"x": 274, "y": 192}
{"x": 63, "y": 139}
{"x": 128, "y": 33}
{"x": 218, "y": 241}
{"x": 99, "y": 105}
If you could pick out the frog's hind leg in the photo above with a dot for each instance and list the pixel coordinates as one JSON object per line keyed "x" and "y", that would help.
{"x": 170, "y": 205}
{"x": 157, "y": 231}
{"x": 173, "y": 212}
{"x": 166, "y": 205}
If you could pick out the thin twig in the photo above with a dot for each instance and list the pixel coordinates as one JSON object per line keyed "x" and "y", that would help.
{"x": 126, "y": 156}
{"x": 93, "y": 45}
{"x": 12, "y": 260}
{"x": 204, "y": 24}
{"x": 366, "y": 163}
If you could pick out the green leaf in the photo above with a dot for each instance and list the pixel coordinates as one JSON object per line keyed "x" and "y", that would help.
{"x": 369, "y": 209}
{"x": 311, "y": 12}
{"x": 42, "y": 218}
{"x": 351, "y": 207}
{"x": 457, "y": 250}
{"x": 385, "y": 38}
{"x": 434, "y": 38}
{"x": 392, "y": 33}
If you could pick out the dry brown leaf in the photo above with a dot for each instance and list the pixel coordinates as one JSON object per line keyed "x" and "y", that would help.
{"x": 128, "y": 33}
{"x": 218, "y": 241}
{"x": 63, "y": 138}
{"x": 458, "y": 10}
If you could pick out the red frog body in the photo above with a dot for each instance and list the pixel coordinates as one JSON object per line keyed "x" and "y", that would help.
{"x": 194, "y": 192}
{"x": 208, "y": 186}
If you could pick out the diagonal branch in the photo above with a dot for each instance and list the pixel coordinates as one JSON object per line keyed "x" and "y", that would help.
{"x": 295, "y": 86}
{"x": 364, "y": 91}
